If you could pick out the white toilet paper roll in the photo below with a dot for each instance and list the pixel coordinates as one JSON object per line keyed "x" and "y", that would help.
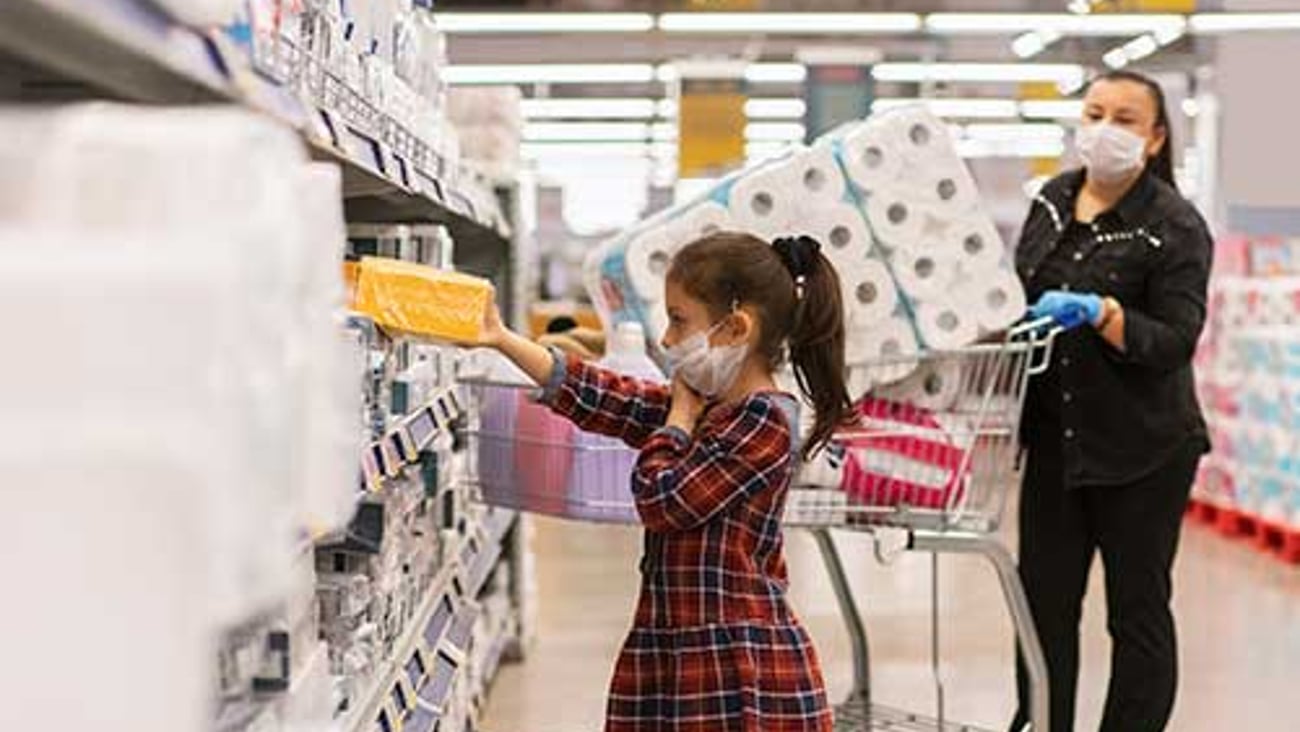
{"x": 935, "y": 386}
{"x": 764, "y": 203}
{"x": 872, "y": 155}
{"x": 976, "y": 241}
{"x": 839, "y": 228}
{"x": 924, "y": 272}
{"x": 948, "y": 191}
{"x": 883, "y": 353}
{"x": 656, "y": 320}
{"x": 997, "y": 300}
{"x": 648, "y": 256}
{"x": 922, "y": 134}
{"x": 699, "y": 222}
{"x": 870, "y": 296}
{"x": 819, "y": 175}
{"x": 896, "y": 218}
{"x": 944, "y": 324}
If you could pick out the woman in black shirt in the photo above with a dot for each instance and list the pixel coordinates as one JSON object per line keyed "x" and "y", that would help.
{"x": 1113, "y": 429}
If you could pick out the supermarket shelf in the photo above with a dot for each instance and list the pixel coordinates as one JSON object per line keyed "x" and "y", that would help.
{"x": 128, "y": 49}
{"x": 427, "y": 638}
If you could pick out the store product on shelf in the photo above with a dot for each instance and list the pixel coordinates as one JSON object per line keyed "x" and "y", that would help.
{"x": 489, "y": 124}
{"x": 422, "y": 301}
{"x": 1248, "y": 372}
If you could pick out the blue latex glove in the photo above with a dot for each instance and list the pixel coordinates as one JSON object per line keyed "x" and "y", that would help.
{"x": 1069, "y": 309}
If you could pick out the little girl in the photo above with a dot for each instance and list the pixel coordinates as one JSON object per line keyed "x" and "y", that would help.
{"x": 715, "y": 647}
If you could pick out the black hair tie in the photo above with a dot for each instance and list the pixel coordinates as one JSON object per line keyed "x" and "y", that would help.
{"x": 799, "y": 255}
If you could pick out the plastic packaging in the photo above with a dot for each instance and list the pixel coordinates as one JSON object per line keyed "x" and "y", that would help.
{"x": 422, "y": 301}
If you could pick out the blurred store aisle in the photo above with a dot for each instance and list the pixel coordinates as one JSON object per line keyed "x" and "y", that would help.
{"x": 1239, "y": 615}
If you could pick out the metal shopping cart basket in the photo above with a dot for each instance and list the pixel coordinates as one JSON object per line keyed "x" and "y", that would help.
{"x": 927, "y": 468}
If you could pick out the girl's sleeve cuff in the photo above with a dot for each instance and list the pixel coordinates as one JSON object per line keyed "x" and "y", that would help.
{"x": 559, "y": 370}
{"x": 676, "y": 434}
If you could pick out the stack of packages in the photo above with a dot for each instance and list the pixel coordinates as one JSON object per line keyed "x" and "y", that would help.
{"x": 183, "y": 391}
{"x": 388, "y": 53}
{"x": 921, "y": 265}
{"x": 489, "y": 123}
{"x": 1248, "y": 370}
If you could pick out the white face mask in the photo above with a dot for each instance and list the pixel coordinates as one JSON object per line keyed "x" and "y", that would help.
{"x": 1110, "y": 153}
{"x": 708, "y": 369}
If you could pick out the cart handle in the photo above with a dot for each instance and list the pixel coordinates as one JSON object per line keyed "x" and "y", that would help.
{"x": 1041, "y": 336}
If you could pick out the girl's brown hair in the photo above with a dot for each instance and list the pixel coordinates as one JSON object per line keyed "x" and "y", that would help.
{"x": 796, "y": 292}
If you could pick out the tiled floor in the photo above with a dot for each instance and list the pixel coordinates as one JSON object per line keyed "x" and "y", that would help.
{"x": 1238, "y": 612}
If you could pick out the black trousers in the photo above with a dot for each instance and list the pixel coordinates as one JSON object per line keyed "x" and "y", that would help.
{"x": 1136, "y": 528}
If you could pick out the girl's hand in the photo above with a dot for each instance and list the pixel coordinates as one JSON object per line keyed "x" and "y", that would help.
{"x": 493, "y": 333}
{"x": 687, "y": 406}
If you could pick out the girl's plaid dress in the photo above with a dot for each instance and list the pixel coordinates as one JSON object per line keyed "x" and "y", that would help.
{"x": 714, "y": 646}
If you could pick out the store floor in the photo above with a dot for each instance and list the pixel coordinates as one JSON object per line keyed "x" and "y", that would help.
{"x": 1238, "y": 613}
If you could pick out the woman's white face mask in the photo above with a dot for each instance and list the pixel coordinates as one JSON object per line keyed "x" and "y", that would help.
{"x": 708, "y": 369}
{"x": 1110, "y": 153}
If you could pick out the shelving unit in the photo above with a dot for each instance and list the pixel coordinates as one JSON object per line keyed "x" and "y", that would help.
{"x": 129, "y": 50}
{"x": 420, "y": 675}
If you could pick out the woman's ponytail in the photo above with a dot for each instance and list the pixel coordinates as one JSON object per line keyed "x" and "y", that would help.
{"x": 817, "y": 337}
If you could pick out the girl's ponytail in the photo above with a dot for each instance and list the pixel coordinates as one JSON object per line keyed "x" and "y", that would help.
{"x": 817, "y": 337}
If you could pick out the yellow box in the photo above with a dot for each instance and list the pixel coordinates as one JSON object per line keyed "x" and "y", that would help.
{"x": 422, "y": 301}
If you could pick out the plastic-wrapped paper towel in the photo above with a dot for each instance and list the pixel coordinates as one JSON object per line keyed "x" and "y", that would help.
{"x": 240, "y": 291}
{"x": 881, "y": 353}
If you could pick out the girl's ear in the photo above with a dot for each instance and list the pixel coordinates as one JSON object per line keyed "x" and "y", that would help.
{"x": 742, "y": 327}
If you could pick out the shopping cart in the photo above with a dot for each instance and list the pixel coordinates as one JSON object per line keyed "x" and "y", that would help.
{"x": 928, "y": 468}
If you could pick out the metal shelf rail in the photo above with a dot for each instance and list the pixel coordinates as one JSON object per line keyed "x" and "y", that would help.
{"x": 130, "y": 50}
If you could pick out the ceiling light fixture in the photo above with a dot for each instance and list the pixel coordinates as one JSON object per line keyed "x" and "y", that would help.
{"x": 790, "y": 23}
{"x": 1237, "y": 22}
{"x": 1117, "y": 24}
{"x": 981, "y": 108}
{"x": 488, "y": 23}
{"x": 978, "y": 72}
{"x": 1051, "y": 109}
{"x": 1033, "y": 43}
{"x": 549, "y": 74}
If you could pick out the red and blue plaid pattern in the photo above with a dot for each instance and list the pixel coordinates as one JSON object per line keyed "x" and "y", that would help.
{"x": 714, "y": 646}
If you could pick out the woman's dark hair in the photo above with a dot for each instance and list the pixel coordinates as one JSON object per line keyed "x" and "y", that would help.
{"x": 1162, "y": 165}
{"x": 796, "y": 292}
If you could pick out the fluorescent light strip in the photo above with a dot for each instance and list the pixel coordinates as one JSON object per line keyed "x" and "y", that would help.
{"x": 978, "y": 72}
{"x": 790, "y": 23}
{"x": 621, "y": 108}
{"x": 1052, "y": 109}
{"x": 1020, "y": 131}
{"x": 453, "y": 22}
{"x": 1119, "y": 24}
{"x": 1033, "y": 43}
{"x": 758, "y": 73}
{"x": 986, "y": 108}
{"x": 1010, "y": 148}
{"x": 643, "y": 149}
{"x": 582, "y": 131}
{"x": 1239, "y": 22}
{"x": 775, "y": 108}
{"x": 640, "y": 108}
{"x": 640, "y": 131}
{"x": 549, "y": 73}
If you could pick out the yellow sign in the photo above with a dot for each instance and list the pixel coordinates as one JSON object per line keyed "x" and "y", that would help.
{"x": 1035, "y": 91}
{"x": 711, "y": 120}
{"x": 1143, "y": 6}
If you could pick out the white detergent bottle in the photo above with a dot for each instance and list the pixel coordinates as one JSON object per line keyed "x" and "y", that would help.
{"x": 601, "y": 486}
